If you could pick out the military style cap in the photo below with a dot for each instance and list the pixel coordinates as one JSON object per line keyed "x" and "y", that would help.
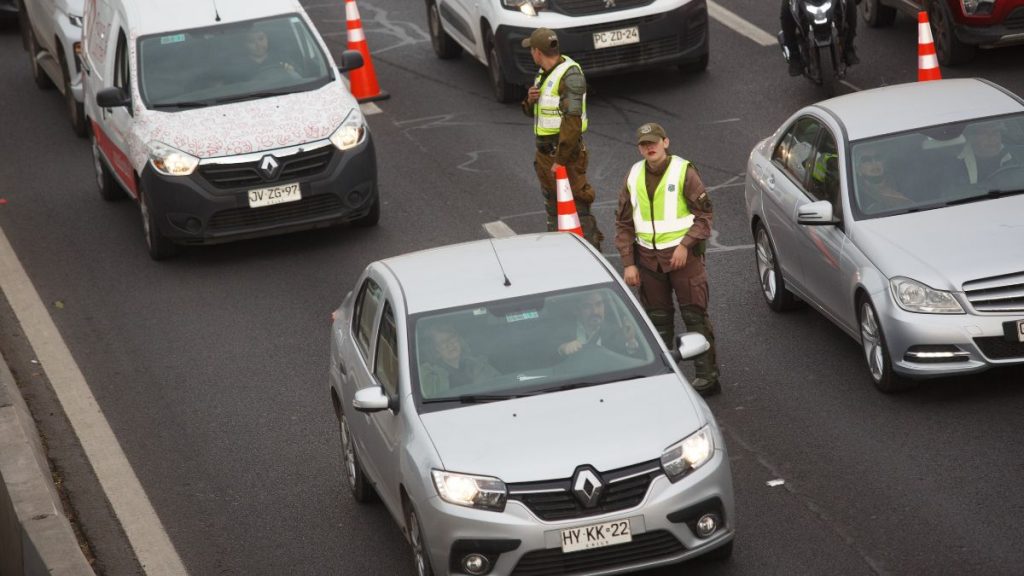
{"x": 650, "y": 132}
{"x": 541, "y": 39}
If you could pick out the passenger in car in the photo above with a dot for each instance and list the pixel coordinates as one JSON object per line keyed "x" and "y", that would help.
{"x": 260, "y": 58}
{"x": 877, "y": 190}
{"x": 591, "y": 329}
{"x": 984, "y": 153}
{"x": 447, "y": 367}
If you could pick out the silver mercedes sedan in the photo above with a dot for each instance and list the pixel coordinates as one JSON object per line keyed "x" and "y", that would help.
{"x": 898, "y": 213}
{"x": 516, "y": 412}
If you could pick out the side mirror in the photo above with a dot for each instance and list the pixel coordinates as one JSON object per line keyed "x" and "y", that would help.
{"x": 816, "y": 214}
{"x": 372, "y": 399}
{"x": 112, "y": 98}
{"x": 350, "y": 60}
{"x": 691, "y": 344}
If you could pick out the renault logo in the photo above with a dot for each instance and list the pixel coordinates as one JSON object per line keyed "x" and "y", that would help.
{"x": 269, "y": 166}
{"x": 587, "y": 487}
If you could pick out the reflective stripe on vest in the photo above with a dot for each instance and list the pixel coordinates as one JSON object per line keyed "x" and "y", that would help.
{"x": 671, "y": 217}
{"x": 547, "y": 111}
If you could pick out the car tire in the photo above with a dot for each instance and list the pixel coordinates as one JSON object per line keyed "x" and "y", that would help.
{"x": 769, "y": 272}
{"x": 108, "y": 187}
{"x": 159, "y": 247}
{"x": 876, "y": 350}
{"x": 358, "y": 485}
{"x": 420, "y": 554}
{"x": 444, "y": 46}
{"x": 949, "y": 49}
{"x": 503, "y": 90}
{"x": 372, "y": 217}
{"x": 43, "y": 82}
{"x": 76, "y": 111}
{"x": 877, "y": 15}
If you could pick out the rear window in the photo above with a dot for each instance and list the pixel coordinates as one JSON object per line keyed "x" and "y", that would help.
{"x": 230, "y": 63}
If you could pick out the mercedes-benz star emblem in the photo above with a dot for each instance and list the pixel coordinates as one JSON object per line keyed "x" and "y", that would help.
{"x": 587, "y": 487}
{"x": 269, "y": 166}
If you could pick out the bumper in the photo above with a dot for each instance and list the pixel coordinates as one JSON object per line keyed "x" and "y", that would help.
{"x": 677, "y": 36}
{"x": 192, "y": 210}
{"x": 979, "y": 342}
{"x": 1006, "y": 30}
{"x": 517, "y": 538}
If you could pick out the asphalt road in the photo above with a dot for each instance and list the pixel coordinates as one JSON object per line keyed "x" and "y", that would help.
{"x": 212, "y": 367}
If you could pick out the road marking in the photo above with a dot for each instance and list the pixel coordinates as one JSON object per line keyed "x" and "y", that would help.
{"x": 369, "y": 108}
{"x": 132, "y": 507}
{"x": 499, "y": 229}
{"x": 851, "y": 86}
{"x": 738, "y": 24}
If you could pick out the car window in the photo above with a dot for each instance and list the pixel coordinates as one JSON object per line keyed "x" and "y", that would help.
{"x": 367, "y": 305}
{"x": 122, "y": 68}
{"x": 530, "y": 345}
{"x": 230, "y": 63}
{"x": 386, "y": 360}
{"x": 793, "y": 152}
{"x": 824, "y": 182}
{"x": 938, "y": 166}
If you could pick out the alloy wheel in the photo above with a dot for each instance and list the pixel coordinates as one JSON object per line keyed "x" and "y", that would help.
{"x": 419, "y": 552}
{"x": 871, "y": 339}
{"x": 349, "y": 452}
{"x": 766, "y": 266}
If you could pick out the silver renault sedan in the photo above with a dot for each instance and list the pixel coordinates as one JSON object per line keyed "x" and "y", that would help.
{"x": 898, "y": 213}
{"x": 516, "y": 412}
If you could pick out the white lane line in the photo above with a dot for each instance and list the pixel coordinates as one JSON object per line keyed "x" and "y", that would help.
{"x": 369, "y": 108}
{"x": 499, "y": 229}
{"x": 851, "y": 86}
{"x": 146, "y": 534}
{"x": 738, "y": 24}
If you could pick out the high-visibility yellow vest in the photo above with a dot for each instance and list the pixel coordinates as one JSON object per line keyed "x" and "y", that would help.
{"x": 663, "y": 222}
{"x": 546, "y": 110}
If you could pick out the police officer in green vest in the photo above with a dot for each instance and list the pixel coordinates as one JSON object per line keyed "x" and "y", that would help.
{"x": 557, "y": 102}
{"x": 661, "y": 227}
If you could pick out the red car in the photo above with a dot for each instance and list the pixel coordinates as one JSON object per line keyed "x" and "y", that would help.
{"x": 960, "y": 26}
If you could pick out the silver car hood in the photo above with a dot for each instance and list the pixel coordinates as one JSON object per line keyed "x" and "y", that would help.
{"x": 948, "y": 246}
{"x": 546, "y": 437}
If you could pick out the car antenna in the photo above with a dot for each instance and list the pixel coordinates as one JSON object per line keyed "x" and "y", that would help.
{"x": 507, "y": 281}
{"x": 216, "y": 12}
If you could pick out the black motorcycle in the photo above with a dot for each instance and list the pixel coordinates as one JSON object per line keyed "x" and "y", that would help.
{"x": 820, "y": 40}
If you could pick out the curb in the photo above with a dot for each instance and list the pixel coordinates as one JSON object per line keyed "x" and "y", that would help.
{"x": 35, "y": 535}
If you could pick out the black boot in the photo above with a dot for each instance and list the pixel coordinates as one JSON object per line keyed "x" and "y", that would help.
{"x": 796, "y": 67}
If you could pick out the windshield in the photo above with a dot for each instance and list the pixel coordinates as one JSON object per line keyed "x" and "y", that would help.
{"x": 938, "y": 166}
{"x": 230, "y": 63}
{"x": 528, "y": 346}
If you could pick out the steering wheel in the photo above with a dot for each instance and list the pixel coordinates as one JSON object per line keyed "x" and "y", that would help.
{"x": 1011, "y": 176}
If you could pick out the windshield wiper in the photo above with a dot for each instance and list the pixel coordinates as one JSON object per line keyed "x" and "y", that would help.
{"x": 985, "y": 196}
{"x": 585, "y": 384}
{"x": 254, "y": 96}
{"x": 183, "y": 104}
{"x": 472, "y": 398}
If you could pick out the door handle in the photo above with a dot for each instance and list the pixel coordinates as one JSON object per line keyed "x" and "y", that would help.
{"x": 771, "y": 181}
{"x": 342, "y": 369}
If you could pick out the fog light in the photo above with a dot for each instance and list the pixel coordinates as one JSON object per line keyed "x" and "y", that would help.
{"x": 476, "y": 564}
{"x": 706, "y": 525}
{"x": 193, "y": 225}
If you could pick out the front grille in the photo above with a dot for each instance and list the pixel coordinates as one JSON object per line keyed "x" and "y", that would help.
{"x": 584, "y": 7}
{"x": 997, "y": 294}
{"x": 644, "y": 547}
{"x": 1015, "y": 20}
{"x": 999, "y": 348}
{"x": 553, "y": 500}
{"x": 248, "y": 174}
{"x": 595, "y": 61}
{"x": 311, "y": 207}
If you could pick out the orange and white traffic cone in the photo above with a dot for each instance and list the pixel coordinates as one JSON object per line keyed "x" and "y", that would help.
{"x": 568, "y": 219}
{"x": 362, "y": 80}
{"x": 927, "y": 61}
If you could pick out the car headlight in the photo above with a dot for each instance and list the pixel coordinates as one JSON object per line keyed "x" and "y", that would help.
{"x": 76, "y": 21}
{"x": 688, "y": 455}
{"x": 472, "y": 491}
{"x": 171, "y": 161}
{"x": 351, "y": 132}
{"x": 528, "y": 7}
{"x": 977, "y": 7}
{"x": 914, "y": 296}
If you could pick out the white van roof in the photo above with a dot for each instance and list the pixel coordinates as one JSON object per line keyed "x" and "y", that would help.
{"x": 147, "y": 17}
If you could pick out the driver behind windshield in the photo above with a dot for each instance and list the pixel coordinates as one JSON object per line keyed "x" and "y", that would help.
{"x": 448, "y": 366}
{"x": 591, "y": 329}
{"x": 260, "y": 57}
{"x": 984, "y": 153}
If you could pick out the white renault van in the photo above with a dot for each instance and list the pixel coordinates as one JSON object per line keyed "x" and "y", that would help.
{"x": 224, "y": 119}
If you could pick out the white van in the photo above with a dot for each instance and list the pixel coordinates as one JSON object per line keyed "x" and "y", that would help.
{"x": 224, "y": 119}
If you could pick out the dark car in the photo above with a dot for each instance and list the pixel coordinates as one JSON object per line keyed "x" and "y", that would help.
{"x": 961, "y": 26}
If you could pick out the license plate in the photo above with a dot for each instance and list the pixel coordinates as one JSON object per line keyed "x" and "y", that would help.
{"x": 596, "y": 536}
{"x": 274, "y": 195}
{"x": 619, "y": 37}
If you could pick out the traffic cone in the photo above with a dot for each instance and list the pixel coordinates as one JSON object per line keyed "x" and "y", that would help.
{"x": 362, "y": 80}
{"x": 927, "y": 61}
{"x": 568, "y": 219}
